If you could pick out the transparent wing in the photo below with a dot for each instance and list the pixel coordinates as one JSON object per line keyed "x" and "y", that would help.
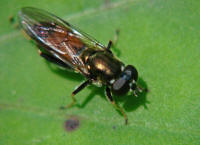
{"x": 58, "y": 37}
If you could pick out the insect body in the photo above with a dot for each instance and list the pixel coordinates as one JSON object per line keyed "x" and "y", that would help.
{"x": 63, "y": 44}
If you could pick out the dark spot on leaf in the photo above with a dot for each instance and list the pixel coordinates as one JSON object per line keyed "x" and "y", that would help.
{"x": 71, "y": 124}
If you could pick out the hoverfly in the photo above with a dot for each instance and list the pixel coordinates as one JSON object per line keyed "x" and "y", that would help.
{"x": 63, "y": 44}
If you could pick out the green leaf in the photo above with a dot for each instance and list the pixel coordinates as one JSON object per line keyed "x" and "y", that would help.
{"x": 161, "y": 38}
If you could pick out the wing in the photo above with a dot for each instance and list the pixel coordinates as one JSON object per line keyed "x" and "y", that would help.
{"x": 58, "y": 37}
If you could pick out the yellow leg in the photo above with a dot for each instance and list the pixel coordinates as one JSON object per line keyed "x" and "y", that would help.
{"x": 81, "y": 87}
{"x": 121, "y": 111}
{"x": 71, "y": 104}
{"x": 117, "y": 107}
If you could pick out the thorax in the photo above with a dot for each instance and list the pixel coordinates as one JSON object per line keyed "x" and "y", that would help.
{"x": 103, "y": 66}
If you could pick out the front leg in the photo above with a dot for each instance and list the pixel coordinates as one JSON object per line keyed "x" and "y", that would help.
{"x": 110, "y": 98}
{"x": 81, "y": 87}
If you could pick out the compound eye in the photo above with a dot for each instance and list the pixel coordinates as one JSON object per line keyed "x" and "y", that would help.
{"x": 120, "y": 87}
{"x": 131, "y": 71}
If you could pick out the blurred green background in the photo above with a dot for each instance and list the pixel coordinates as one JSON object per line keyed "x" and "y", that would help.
{"x": 160, "y": 37}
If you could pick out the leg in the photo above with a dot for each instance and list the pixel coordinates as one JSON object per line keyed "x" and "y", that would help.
{"x": 108, "y": 94}
{"x": 137, "y": 89}
{"x": 116, "y": 36}
{"x": 135, "y": 93}
{"x": 140, "y": 89}
{"x": 110, "y": 43}
{"x": 109, "y": 46}
{"x": 53, "y": 59}
{"x": 81, "y": 87}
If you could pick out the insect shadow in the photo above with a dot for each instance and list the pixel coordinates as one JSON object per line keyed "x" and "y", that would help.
{"x": 67, "y": 74}
{"x": 130, "y": 102}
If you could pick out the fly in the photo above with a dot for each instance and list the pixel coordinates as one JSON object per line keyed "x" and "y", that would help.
{"x": 63, "y": 44}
